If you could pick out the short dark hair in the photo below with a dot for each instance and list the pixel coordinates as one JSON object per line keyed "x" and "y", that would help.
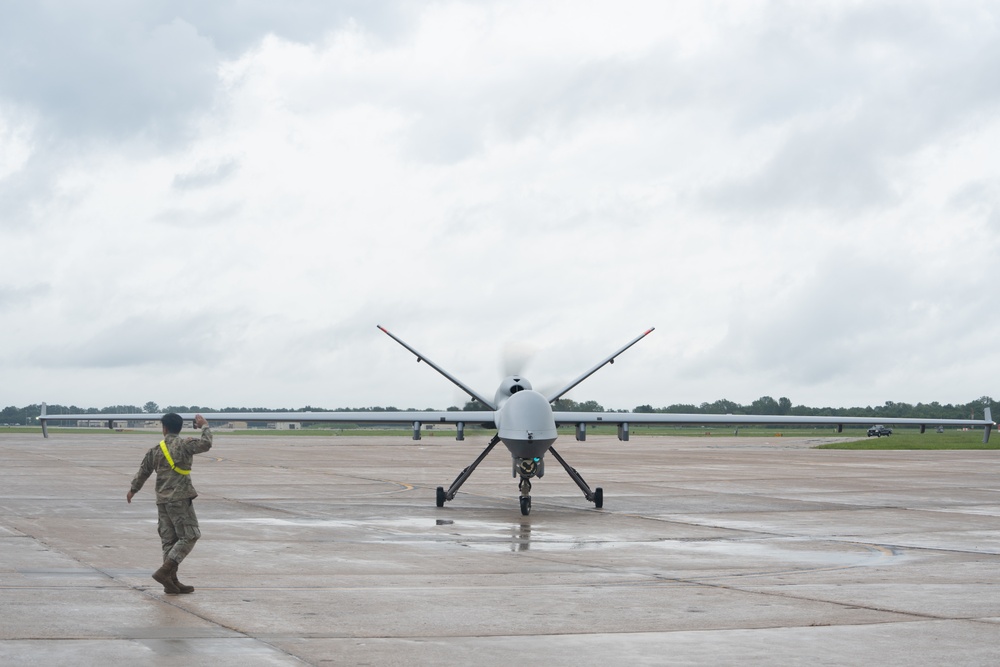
{"x": 173, "y": 421}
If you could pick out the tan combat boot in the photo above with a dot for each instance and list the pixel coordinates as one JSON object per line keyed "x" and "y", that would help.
{"x": 181, "y": 588}
{"x": 166, "y": 575}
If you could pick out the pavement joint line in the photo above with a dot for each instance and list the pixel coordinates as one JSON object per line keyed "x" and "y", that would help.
{"x": 909, "y": 547}
{"x": 163, "y": 598}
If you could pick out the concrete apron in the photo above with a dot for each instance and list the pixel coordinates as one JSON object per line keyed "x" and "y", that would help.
{"x": 330, "y": 550}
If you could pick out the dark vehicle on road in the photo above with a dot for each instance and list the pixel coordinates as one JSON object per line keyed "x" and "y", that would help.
{"x": 878, "y": 431}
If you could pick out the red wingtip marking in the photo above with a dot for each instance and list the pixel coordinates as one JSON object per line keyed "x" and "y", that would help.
{"x": 650, "y": 331}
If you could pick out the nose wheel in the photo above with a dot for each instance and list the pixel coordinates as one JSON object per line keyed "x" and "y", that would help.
{"x": 525, "y": 487}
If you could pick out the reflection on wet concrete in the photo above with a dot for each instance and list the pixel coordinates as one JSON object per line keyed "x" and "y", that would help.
{"x": 520, "y": 536}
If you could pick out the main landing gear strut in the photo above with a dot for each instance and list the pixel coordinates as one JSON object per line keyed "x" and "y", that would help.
{"x": 596, "y": 496}
{"x": 443, "y": 495}
{"x": 526, "y": 472}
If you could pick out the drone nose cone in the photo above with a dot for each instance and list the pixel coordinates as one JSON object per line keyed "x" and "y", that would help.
{"x": 525, "y": 424}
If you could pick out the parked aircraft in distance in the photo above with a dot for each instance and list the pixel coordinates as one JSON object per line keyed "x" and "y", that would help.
{"x": 527, "y": 425}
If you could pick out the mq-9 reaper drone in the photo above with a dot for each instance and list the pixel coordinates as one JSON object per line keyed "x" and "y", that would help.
{"x": 527, "y": 425}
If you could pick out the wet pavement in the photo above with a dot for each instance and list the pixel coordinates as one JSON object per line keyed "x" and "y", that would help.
{"x": 330, "y": 551}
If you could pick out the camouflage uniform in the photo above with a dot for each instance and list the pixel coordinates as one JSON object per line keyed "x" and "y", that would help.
{"x": 177, "y": 525}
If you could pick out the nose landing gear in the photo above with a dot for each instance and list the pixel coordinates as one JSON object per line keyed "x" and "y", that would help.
{"x": 526, "y": 469}
{"x": 525, "y": 487}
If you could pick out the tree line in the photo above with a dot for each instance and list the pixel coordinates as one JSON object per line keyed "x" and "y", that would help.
{"x": 765, "y": 405}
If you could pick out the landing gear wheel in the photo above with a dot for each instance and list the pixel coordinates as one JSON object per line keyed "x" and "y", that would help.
{"x": 598, "y": 497}
{"x": 440, "y": 496}
{"x": 525, "y": 505}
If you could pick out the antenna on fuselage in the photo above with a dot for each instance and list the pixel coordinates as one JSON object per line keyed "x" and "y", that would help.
{"x": 609, "y": 360}
{"x": 458, "y": 383}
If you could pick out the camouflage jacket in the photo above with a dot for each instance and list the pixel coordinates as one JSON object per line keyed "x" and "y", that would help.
{"x": 172, "y": 486}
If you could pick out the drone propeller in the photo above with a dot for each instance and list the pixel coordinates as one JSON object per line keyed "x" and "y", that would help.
{"x": 516, "y": 357}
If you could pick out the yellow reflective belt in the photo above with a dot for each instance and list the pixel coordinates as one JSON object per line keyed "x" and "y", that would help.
{"x": 163, "y": 446}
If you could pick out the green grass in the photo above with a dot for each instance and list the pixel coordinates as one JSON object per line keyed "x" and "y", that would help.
{"x": 913, "y": 439}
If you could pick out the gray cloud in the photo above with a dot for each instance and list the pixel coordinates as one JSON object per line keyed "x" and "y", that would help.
{"x": 206, "y": 176}
{"x": 104, "y": 75}
{"x": 237, "y": 25}
{"x": 21, "y": 189}
{"x": 109, "y": 70}
{"x": 137, "y": 341}
{"x": 113, "y": 71}
{"x": 830, "y": 167}
{"x": 194, "y": 218}
{"x": 854, "y": 322}
{"x": 865, "y": 87}
{"x": 14, "y": 297}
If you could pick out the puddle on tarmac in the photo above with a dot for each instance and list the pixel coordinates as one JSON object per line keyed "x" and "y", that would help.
{"x": 796, "y": 551}
{"x": 524, "y": 536}
{"x": 496, "y": 535}
{"x": 409, "y": 525}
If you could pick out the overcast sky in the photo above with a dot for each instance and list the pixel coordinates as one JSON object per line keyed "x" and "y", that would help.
{"x": 216, "y": 203}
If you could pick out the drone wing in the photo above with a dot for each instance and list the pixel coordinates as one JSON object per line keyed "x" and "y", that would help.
{"x": 374, "y": 418}
{"x": 623, "y": 419}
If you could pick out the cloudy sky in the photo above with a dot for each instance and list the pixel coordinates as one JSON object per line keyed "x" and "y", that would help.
{"x": 216, "y": 203}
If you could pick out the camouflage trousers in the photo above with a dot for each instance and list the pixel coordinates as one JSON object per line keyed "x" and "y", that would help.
{"x": 178, "y": 528}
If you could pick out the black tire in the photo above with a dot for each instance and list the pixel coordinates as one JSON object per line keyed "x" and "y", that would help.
{"x": 598, "y": 497}
{"x": 525, "y": 505}
{"x": 440, "y": 496}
